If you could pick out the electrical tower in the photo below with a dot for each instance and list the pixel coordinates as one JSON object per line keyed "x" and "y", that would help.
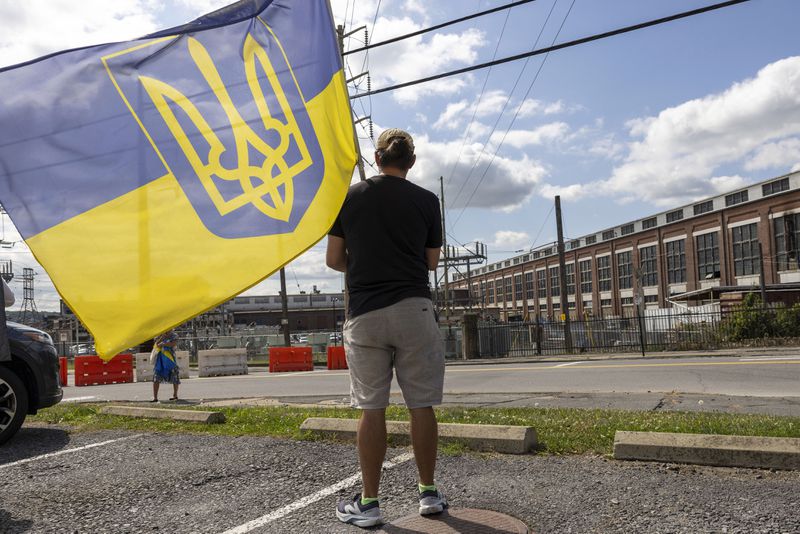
{"x": 28, "y": 301}
{"x": 464, "y": 257}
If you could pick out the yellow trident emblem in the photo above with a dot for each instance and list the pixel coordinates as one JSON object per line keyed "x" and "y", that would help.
{"x": 274, "y": 172}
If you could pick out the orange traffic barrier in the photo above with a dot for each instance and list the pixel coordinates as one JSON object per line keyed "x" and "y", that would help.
{"x": 336, "y": 358}
{"x": 62, "y": 370}
{"x": 92, "y": 371}
{"x": 287, "y": 359}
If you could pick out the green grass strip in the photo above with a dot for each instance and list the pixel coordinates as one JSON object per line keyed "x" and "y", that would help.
{"x": 560, "y": 430}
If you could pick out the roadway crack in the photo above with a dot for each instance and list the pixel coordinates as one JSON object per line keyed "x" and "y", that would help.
{"x": 659, "y": 405}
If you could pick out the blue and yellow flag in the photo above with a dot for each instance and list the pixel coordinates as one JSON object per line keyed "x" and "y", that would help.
{"x": 155, "y": 179}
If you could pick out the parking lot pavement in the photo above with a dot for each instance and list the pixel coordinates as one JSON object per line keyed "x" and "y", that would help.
{"x": 209, "y": 484}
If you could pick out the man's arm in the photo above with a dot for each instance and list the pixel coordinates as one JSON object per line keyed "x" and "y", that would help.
{"x": 336, "y": 255}
{"x": 432, "y": 257}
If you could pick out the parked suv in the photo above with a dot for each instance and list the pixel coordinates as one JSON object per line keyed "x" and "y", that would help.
{"x": 29, "y": 380}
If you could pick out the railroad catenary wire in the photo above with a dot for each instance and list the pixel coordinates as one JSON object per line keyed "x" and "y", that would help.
{"x": 438, "y": 26}
{"x": 560, "y": 46}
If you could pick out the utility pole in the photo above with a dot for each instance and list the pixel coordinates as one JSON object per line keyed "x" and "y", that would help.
{"x": 360, "y": 160}
{"x": 287, "y": 341}
{"x": 444, "y": 246}
{"x": 562, "y": 272}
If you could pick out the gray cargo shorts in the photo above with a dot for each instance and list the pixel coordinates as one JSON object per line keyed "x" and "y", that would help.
{"x": 403, "y": 336}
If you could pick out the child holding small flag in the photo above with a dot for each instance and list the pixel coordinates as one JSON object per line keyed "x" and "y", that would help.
{"x": 165, "y": 369}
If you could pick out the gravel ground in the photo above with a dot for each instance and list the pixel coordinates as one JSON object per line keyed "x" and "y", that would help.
{"x": 206, "y": 484}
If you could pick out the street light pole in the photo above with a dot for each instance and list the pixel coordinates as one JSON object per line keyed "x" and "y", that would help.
{"x": 334, "y": 300}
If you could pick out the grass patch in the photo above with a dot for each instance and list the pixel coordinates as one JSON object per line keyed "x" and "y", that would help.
{"x": 560, "y": 430}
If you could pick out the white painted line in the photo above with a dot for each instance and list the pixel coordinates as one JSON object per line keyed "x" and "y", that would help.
{"x": 769, "y": 358}
{"x": 263, "y": 376}
{"x": 78, "y": 399}
{"x": 567, "y": 364}
{"x": 305, "y": 501}
{"x": 67, "y": 451}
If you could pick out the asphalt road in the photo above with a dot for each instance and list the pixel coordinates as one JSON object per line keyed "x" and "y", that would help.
{"x": 208, "y": 484}
{"x": 749, "y": 381}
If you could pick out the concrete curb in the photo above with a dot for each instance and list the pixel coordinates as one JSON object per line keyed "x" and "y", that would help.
{"x": 725, "y": 451}
{"x": 193, "y": 416}
{"x": 498, "y": 438}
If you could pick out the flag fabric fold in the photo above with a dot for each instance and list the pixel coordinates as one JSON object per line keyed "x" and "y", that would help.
{"x": 155, "y": 179}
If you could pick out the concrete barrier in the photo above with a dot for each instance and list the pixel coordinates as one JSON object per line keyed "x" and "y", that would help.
{"x": 222, "y": 362}
{"x": 704, "y": 449}
{"x": 193, "y": 416}
{"x": 498, "y": 438}
{"x": 144, "y": 369}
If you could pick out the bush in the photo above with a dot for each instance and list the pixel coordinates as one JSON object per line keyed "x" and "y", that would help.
{"x": 787, "y": 321}
{"x": 751, "y": 321}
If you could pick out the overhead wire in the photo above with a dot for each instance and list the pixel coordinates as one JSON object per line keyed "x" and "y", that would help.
{"x": 516, "y": 114}
{"x": 560, "y": 46}
{"x": 503, "y": 110}
{"x": 541, "y": 229}
{"x": 439, "y": 26}
{"x": 477, "y": 102}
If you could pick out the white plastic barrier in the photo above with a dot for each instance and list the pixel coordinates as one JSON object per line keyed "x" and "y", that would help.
{"x": 222, "y": 362}
{"x": 144, "y": 369}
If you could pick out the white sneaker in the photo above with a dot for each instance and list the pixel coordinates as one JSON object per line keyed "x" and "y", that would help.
{"x": 354, "y": 513}
{"x": 432, "y": 502}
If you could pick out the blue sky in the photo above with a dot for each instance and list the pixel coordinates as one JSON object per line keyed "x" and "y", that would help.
{"x": 620, "y": 128}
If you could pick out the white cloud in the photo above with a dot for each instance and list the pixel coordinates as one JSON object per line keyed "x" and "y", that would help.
{"x": 416, "y": 6}
{"x": 607, "y": 147}
{"x": 456, "y": 114}
{"x": 41, "y": 28}
{"x": 780, "y": 155}
{"x": 531, "y": 107}
{"x": 203, "y": 6}
{"x": 400, "y": 62}
{"x": 510, "y": 240}
{"x": 568, "y": 192}
{"x": 678, "y": 153}
{"x": 548, "y": 133}
{"x": 504, "y": 185}
{"x": 683, "y": 146}
{"x": 302, "y": 274}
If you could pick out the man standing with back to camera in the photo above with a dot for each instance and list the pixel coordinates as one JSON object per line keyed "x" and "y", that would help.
{"x": 387, "y": 237}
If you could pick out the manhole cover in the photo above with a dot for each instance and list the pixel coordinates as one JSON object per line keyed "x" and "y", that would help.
{"x": 457, "y": 521}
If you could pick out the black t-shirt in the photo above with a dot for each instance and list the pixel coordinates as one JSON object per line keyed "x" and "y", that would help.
{"x": 387, "y": 223}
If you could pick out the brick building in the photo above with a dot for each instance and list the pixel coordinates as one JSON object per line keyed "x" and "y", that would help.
{"x": 691, "y": 255}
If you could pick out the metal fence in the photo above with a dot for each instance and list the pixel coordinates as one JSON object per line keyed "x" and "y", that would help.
{"x": 655, "y": 330}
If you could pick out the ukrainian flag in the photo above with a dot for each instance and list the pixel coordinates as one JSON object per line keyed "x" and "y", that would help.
{"x": 155, "y": 179}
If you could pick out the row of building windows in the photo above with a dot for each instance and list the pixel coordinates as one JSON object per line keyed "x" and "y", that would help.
{"x": 732, "y": 199}
{"x": 745, "y": 261}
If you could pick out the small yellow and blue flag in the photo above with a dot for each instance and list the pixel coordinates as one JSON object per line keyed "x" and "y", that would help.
{"x": 155, "y": 179}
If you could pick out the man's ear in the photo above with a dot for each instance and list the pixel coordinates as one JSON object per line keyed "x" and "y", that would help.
{"x": 377, "y": 158}
{"x": 413, "y": 160}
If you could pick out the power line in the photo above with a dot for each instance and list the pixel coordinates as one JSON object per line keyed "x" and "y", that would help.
{"x": 478, "y": 102}
{"x": 439, "y": 26}
{"x": 568, "y": 44}
{"x": 514, "y": 118}
{"x": 547, "y": 218}
{"x": 505, "y": 105}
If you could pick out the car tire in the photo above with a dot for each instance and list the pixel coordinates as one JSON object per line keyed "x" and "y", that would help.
{"x": 13, "y": 403}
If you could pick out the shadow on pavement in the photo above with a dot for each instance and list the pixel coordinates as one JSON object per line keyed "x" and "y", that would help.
{"x": 442, "y": 523}
{"x": 30, "y": 442}
{"x": 10, "y": 524}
